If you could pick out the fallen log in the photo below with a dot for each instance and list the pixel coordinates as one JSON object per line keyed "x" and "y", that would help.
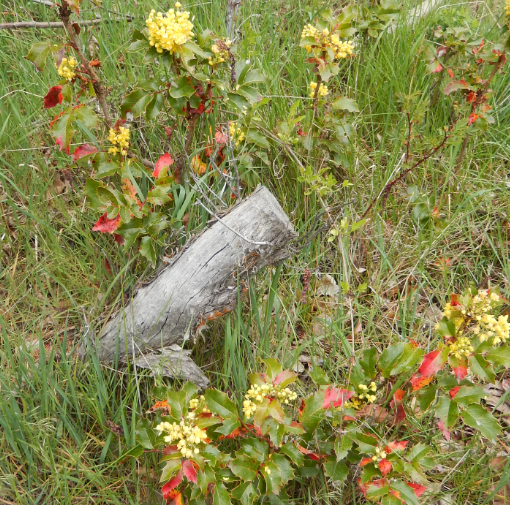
{"x": 200, "y": 285}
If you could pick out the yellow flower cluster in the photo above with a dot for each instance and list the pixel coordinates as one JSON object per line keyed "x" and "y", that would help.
{"x": 188, "y": 436}
{"x": 323, "y": 90}
{"x": 379, "y": 455}
{"x": 461, "y": 348}
{"x": 66, "y": 68}
{"x": 256, "y": 394}
{"x": 507, "y": 8}
{"x": 325, "y": 40}
{"x": 236, "y": 134}
{"x": 366, "y": 395}
{"x": 171, "y": 31}
{"x": 199, "y": 402}
{"x": 119, "y": 139}
{"x": 220, "y": 50}
{"x": 489, "y": 327}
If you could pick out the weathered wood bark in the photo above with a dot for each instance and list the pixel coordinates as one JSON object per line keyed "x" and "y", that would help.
{"x": 202, "y": 282}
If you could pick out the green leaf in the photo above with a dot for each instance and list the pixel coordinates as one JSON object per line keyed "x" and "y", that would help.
{"x": 170, "y": 469}
{"x": 105, "y": 166}
{"x": 427, "y": 396}
{"x": 196, "y": 49}
{"x": 154, "y": 107}
{"x": 275, "y": 410}
{"x": 142, "y": 434}
{"x": 158, "y": 196}
{"x": 183, "y": 88}
{"x": 447, "y": 411}
{"x": 477, "y": 417}
{"x": 130, "y": 232}
{"x": 251, "y": 94}
{"x": 480, "y": 367}
{"x": 228, "y": 426}
{"x": 255, "y": 448}
{"x": 246, "y": 493}
{"x": 276, "y": 432}
{"x": 343, "y": 445}
{"x": 255, "y": 137}
{"x": 499, "y": 356}
{"x": 293, "y": 453}
{"x": 221, "y": 496}
{"x": 406, "y": 492}
{"x": 469, "y": 394}
{"x": 205, "y": 478}
{"x": 138, "y": 42}
{"x": 135, "y": 102}
{"x": 38, "y": 54}
{"x": 374, "y": 491}
{"x": 389, "y": 358}
{"x": 335, "y": 470}
{"x": 273, "y": 368}
{"x": 245, "y": 467}
{"x": 313, "y": 411}
{"x": 417, "y": 452}
{"x": 147, "y": 249}
{"x": 344, "y": 103}
{"x": 134, "y": 452}
{"x": 90, "y": 191}
{"x": 273, "y": 479}
{"x": 253, "y": 76}
{"x": 284, "y": 467}
{"x": 369, "y": 362}
{"x": 219, "y": 403}
{"x": 446, "y": 328}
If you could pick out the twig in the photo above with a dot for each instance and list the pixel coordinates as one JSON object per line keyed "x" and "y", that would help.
{"x": 44, "y": 2}
{"x": 408, "y": 137}
{"x": 386, "y": 190}
{"x": 232, "y": 6}
{"x": 56, "y": 24}
{"x": 64, "y": 14}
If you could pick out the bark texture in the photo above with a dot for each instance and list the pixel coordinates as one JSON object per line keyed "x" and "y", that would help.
{"x": 202, "y": 282}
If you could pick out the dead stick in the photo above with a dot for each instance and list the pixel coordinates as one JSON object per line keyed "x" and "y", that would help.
{"x": 55, "y": 24}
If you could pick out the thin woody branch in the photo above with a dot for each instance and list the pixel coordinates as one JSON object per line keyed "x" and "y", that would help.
{"x": 56, "y": 24}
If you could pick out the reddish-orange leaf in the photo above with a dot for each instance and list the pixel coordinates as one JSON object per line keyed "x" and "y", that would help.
{"x": 418, "y": 382}
{"x": 472, "y": 118}
{"x": 366, "y": 461}
{"x": 363, "y": 487}
{"x": 417, "y": 488}
{"x": 460, "y": 372}
{"x": 443, "y": 429}
{"x": 83, "y": 150}
{"x": 118, "y": 238}
{"x": 385, "y": 466}
{"x": 450, "y": 73}
{"x": 160, "y": 405}
{"x": 53, "y": 97}
{"x": 128, "y": 188}
{"x": 312, "y": 455}
{"x": 190, "y": 471}
{"x": 396, "y": 446}
{"x": 174, "y": 498}
{"x": 438, "y": 69}
{"x": 335, "y": 397}
{"x": 283, "y": 376}
{"x": 95, "y": 63}
{"x": 396, "y": 403}
{"x": 105, "y": 225}
{"x": 60, "y": 142}
{"x": 170, "y": 449}
{"x": 454, "y": 391}
{"x": 396, "y": 494}
{"x": 163, "y": 162}
{"x": 432, "y": 363}
{"x": 171, "y": 484}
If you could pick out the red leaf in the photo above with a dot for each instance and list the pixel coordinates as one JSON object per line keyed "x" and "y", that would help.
{"x": 366, "y": 461}
{"x": 190, "y": 471}
{"x": 53, "y": 97}
{"x": 119, "y": 239}
{"x": 453, "y": 86}
{"x": 472, "y": 118}
{"x": 83, "y": 150}
{"x": 385, "y": 466}
{"x": 312, "y": 455}
{"x": 418, "y": 382}
{"x": 438, "y": 69}
{"x": 443, "y": 429}
{"x": 460, "y": 372}
{"x": 95, "y": 63}
{"x": 301, "y": 133}
{"x": 432, "y": 363}
{"x": 396, "y": 402}
{"x": 335, "y": 397}
{"x": 450, "y": 73}
{"x": 395, "y": 446}
{"x": 220, "y": 138}
{"x": 171, "y": 484}
{"x": 471, "y": 97}
{"x": 454, "y": 391}
{"x": 417, "y": 488}
{"x": 283, "y": 376}
{"x": 105, "y": 225}
{"x": 59, "y": 141}
{"x": 164, "y": 161}
{"x": 363, "y": 487}
{"x": 107, "y": 266}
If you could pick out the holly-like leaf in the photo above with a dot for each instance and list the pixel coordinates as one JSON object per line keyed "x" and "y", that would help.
{"x": 171, "y": 485}
{"x": 336, "y": 470}
{"x": 158, "y": 196}
{"x": 284, "y": 467}
{"x": 164, "y": 161}
{"x": 385, "y": 466}
{"x": 273, "y": 478}
{"x": 499, "y": 356}
{"x": 174, "y": 497}
{"x": 38, "y": 54}
{"x": 275, "y": 410}
{"x": 182, "y": 89}
{"x": 479, "y": 366}
{"x": 369, "y": 362}
{"x": 293, "y": 453}
{"x": 246, "y": 493}
{"x": 135, "y": 102}
{"x": 245, "y": 467}
{"x": 285, "y": 378}
{"x": 154, "y": 107}
{"x": 460, "y": 372}
{"x": 53, "y": 97}
{"x": 453, "y": 86}
{"x": 405, "y": 492}
{"x": 448, "y": 411}
{"x": 477, "y": 417}
{"x": 417, "y": 488}
{"x": 147, "y": 249}
{"x": 433, "y": 362}
{"x": 335, "y": 397}
{"x": 466, "y": 395}
{"x": 219, "y": 403}
{"x": 418, "y": 382}
{"x": 398, "y": 445}
{"x": 344, "y": 103}
{"x": 170, "y": 469}
{"x": 105, "y": 225}
{"x": 273, "y": 368}
{"x": 189, "y": 471}
{"x": 221, "y": 496}
{"x": 85, "y": 150}
{"x": 342, "y": 447}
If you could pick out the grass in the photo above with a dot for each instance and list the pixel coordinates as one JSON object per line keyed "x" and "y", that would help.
{"x": 56, "y": 444}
